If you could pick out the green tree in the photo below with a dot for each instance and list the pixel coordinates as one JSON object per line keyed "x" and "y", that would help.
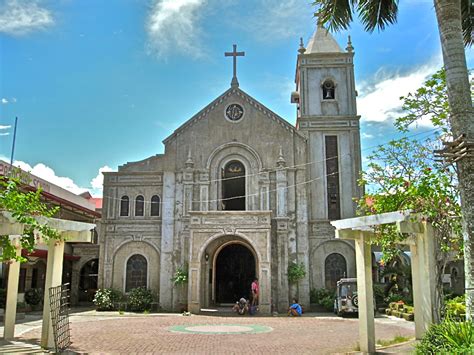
{"x": 24, "y": 207}
{"x": 455, "y": 24}
{"x": 404, "y": 175}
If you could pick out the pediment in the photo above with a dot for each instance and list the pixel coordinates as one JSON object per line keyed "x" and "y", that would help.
{"x": 243, "y": 96}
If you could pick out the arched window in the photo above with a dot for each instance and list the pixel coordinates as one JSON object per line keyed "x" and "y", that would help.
{"x": 233, "y": 186}
{"x": 155, "y": 205}
{"x": 136, "y": 272}
{"x": 334, "y": 269}
{"x": 329, "y": 90}
{"x": 124, "y": 206}
{"x": 139, "y": 205}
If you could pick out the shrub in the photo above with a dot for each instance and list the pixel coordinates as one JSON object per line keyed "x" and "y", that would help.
{"x": 33, "y": 296}
{"x": 140, "y": 299}
{"x": 105, "y": 299}
{"x": 180, "y": 276}
{"x": 448, "y": 337}
{"x": 296, "y": 272}
{"x": 398, "y": 298}
{"x": 322, "y": 297}
{"x": 317, "y": 294}
{"x": 379, "y": 295}
{"x": 456, "y": 308}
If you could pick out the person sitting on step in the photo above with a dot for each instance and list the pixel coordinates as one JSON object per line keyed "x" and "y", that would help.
{"x": 295, "y": 309}
{"x": 241, "y": 306}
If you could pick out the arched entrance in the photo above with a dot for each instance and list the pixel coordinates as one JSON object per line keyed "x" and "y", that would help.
{"x": 235, "y": 269}
{"x": 88, "y": 280}
{"x": 233, "y": 186}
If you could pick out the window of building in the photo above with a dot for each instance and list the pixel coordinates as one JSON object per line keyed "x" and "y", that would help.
{"x": 136, "y": 272}
{"x": 332, "y": 178}
{"x": 329, "y": 90}
{"x": 155, "y": 205}
{"x": 233, "y": 186}
{"x": 335, "y": 268}
{"x": 139, "y": 206}
{"x": 124, "y": 205}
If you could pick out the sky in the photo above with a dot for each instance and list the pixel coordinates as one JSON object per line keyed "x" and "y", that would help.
{"x": 98, "y": 83}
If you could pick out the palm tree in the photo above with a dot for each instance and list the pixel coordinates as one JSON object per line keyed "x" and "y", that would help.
{"x": 455, "y": 24}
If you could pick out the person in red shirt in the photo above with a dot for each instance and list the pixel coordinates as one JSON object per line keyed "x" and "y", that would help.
{"x": 255, "y": 291}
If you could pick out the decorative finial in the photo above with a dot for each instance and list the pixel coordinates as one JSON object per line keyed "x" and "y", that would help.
{"x": 349, "y": 47}
{"x": 281, "y": 162}
{"x": 302, "y": 49}
{"x": 234, "y": 83}
{"x": 189, "y": 164}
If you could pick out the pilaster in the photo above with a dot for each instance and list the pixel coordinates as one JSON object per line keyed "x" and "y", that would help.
{"x": 167, "y": 237}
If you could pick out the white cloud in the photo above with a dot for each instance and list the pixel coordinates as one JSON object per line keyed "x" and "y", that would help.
{"x": 379, "y": 98}
{"x": 4, "y": 133}
{"x": 19, "y": 17}
{"x": 45, "y": 172}
{"x": 367, "y": 135}
{"x": 4, "y": 101}
{"x": 173, "y": 26}
{"x": 273, "y": 21}
{"x": 5, "y": 127}
{"x": 98, "y": 181}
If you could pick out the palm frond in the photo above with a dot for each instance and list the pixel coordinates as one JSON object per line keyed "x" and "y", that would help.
{"x": 336, "y": 14}
{"x": 377, "y": 13}
{"x": 467, "y": 21}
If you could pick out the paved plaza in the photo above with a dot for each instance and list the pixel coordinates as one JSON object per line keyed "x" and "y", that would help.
{"x": 109, "y": 332}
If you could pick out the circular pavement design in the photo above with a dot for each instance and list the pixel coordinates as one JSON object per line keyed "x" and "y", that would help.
{"x": 220, "y": 329}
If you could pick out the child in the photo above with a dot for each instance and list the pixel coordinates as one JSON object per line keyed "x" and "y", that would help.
{"x": 295, "y": 309}
{"x": 241, "y": 307}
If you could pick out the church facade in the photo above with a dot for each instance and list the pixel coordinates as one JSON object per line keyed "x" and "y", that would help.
{"x": 241, "y": 193}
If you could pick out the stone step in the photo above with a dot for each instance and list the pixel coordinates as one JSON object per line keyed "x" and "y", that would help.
{"x": 16, "y": 347}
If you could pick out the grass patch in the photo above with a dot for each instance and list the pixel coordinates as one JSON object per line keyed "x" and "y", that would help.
{"x": 398, "y": 339}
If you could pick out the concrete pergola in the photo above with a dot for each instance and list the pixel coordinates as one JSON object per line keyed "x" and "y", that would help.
{"x": 423, "y": 266}
{"x": 70, "y": 231}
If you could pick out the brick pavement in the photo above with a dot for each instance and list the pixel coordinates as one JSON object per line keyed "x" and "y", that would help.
{"x": 147, "y": 334}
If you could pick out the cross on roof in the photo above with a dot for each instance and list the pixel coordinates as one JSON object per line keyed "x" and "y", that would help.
{"x": 235, "y": 54}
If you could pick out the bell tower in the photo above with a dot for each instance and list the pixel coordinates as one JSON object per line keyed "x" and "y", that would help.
{"x": 327, "y": 115}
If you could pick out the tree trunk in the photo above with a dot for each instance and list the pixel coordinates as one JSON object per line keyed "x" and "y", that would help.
{"x": 448, "y": 13}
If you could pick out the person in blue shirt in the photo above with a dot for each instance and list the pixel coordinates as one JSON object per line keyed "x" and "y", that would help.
{"x": 295, "y": 309}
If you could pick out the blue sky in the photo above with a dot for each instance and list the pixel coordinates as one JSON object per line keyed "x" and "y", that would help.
{"x": 98, "y": 83}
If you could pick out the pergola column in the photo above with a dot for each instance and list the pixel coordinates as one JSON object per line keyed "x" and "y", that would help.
{"x": 365, "y": 294}
{"x": 428, "y": 269}
{"x": 12, "y": 294}
{"x": 54, "y": 273}
{"x": 417, "y": 291}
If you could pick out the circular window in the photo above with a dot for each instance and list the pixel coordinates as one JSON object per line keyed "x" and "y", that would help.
{"x": 234, "y": 112}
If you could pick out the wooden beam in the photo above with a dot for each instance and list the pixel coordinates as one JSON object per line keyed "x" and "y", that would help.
{"x": 410, "y": 227}
{"x": 373, "y": 220}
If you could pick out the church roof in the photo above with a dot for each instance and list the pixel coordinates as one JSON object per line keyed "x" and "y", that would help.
{"x": 322, "y": 42}
{"x": 234, "y": 91}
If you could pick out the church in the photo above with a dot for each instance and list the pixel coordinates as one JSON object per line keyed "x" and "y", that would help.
{"x": 240, "y": 193}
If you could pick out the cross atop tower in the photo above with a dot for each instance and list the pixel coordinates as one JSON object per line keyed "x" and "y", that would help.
{"x": 234, "y": 83}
